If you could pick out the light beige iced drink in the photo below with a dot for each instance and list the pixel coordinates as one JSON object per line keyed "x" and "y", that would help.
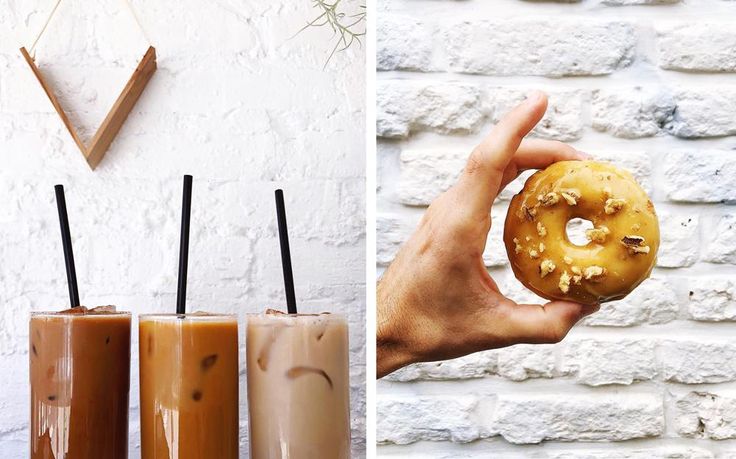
{"x": 80, "y": 380}
{"x": 298, "y": 386}
{"x": 189, "y": 386}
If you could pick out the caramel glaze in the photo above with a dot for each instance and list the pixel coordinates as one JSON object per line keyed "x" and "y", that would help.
{"x": 625, "y": 245}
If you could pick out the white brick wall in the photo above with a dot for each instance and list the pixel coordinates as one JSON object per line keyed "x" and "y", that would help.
{"x": 235, "y": 103}
{"x": 651, "y": 88}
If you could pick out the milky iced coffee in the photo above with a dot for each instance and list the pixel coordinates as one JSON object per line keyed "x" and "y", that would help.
{"x": 189, "y": 386}
{"x": 80, "y": 380}
{"x": 298, "y": 386}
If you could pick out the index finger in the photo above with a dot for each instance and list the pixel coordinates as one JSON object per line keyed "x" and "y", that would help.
{"x": 483, "y": 174}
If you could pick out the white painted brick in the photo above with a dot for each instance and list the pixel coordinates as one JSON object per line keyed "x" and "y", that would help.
{"x": 599, "y": 362}
{"x": 523, "y": 419}
{"x": 680, "y": 242}
{"x": 714, "y": 300}
{"x": 632, "y": 113}
{"x": 721, "y": 241}
{"x": 706, "y": 415}
{"x": 697, "y": 45}
{"x": 663, "y": 452}
{"x": 638, "y": 2}
{"x": 404, "y": 420}
{"x": 525, "y": 361}
{"x": 698, "y": 362}
{"x": 564, "y": 117}
{"x": 653, "y": 302}
{"x": 391, "y": 232}
{"x": 539, "y": 47}
{"x": 470, "y": 366}
{"x": 403, "y": 107}
{"x": 403, "y": 43}
{"x": 704, "y": 112}
{"x": 700, "y": 176}
{"x": 425, "y": 174}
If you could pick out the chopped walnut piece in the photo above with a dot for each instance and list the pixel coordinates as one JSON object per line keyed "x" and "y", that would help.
{"x": 597, "y": 234}
{"x": 635, "y": 244}
{"x": 567, "y": 260}
{"x": 541, "y": 230}
{"x": 564, "y": 282}
{"x": 613, "y": 205}
{"x": 594, "y": 273}
{"x": 571, "y": 196}
{"x": 518, "y": 249}
{"x": 549, "y": 199}
{"x": 529, "y": 212}
{"x": 528, "y": 239}
{"x": 533, "y": 253}
{"x": 541, "y": 247}
{"x": 546, "y": 267}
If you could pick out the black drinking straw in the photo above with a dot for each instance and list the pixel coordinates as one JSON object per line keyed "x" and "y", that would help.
{"x": 285, "y": 253}
{"x": 66, "y": 241}
{"x": 186, "y": 211}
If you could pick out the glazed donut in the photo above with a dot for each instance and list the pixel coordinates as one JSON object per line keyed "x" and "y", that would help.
{"x": 622, "y": 245}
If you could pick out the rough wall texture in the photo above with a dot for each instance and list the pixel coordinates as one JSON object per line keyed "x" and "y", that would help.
{"x": 646, "y": 84}
{"x": 235, "y": 103}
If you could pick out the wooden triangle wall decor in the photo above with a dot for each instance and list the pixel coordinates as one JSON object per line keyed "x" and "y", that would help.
{"x": 95, "y": 151}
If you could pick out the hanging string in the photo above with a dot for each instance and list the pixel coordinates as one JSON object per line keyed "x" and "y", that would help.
{"x": 43, "y": 29}
{"x": 32, "y": 51}
{"x": 137, "y": 21}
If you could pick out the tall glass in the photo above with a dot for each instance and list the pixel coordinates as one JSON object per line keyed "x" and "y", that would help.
{"x": 189, "y": 386}
{"x": 298, "y": 386}
{"x": 80, "y": 383}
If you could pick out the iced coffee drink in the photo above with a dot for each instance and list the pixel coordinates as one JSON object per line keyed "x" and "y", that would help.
{"x": 189, "y": 386}
{"x": 298, "y": 386}
{"x": 80, "y": 380}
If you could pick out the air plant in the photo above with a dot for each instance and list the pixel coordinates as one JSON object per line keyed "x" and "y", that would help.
{"x": 347, "y": 28}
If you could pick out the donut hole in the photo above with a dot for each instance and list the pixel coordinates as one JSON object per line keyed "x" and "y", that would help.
{"x": 575, "y": 231}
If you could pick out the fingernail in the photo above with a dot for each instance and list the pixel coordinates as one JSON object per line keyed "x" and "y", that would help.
{"x": 584, "y": 155}
{"x": 534, "y": 96}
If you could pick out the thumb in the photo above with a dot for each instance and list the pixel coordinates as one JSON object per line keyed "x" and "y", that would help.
{"x": 534, "y": 323}
{"x": 485, "y": 168}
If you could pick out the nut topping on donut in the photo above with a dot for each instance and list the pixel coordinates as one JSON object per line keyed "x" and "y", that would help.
{"x": 613, "y": 205}
{"x": 529, "y": 212}
{"x": 541, "y": 230}
{"x": 546, "y": 267}
{"x": 571, "y": 196}
{"x": 567, "y": 260}
{"x": 635, "y": 244}
{"x": 533, "y": 253}
{"x": 541, "y": 247}
{"x": 518, "y": 249}
{"x": 597, "y": 234}
{"x": 564, "y": 282}
{"x": 594, "y": 273}
{"x": 549, "y": 199}
{"x": 578, "y": 274}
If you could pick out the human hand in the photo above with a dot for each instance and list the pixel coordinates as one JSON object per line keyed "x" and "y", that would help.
{"x": 436, "y": 300}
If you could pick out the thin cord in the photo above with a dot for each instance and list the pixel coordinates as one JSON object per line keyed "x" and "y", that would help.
{"x": 137, "y": 21}
{"x": 56, "y": 7}
{"x": 48, "y": 20}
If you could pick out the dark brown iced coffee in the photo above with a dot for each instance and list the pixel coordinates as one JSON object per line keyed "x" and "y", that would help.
{"x": 189, "y": 386}
{"x": 80, "y": 380}
{"x": 298, "y": 386}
